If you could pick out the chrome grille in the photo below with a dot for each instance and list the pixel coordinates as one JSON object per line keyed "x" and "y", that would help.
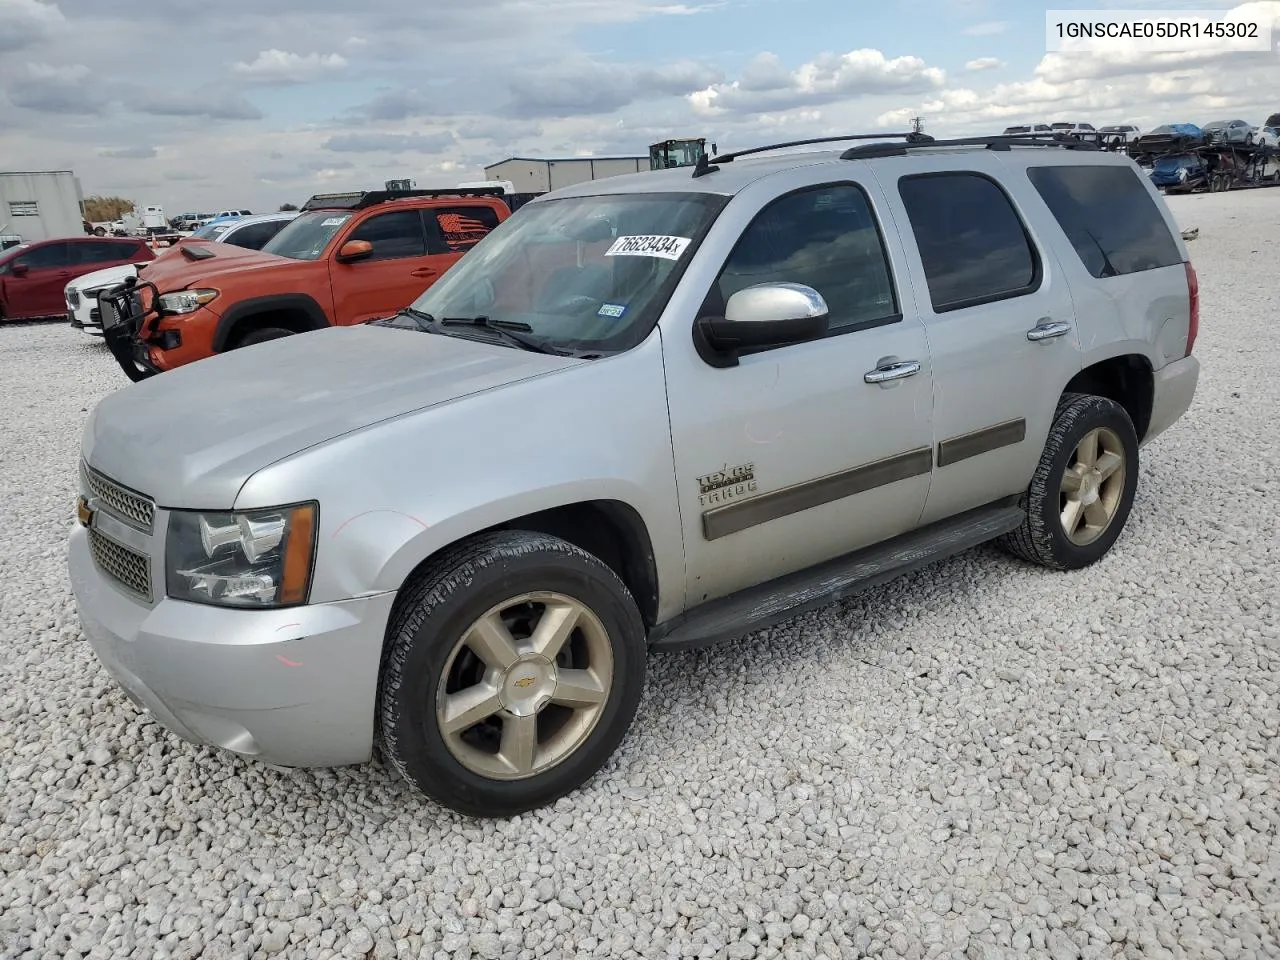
{"x": 131, "y": 570}
{"x": 133, "y": 508}
{"x": 73, "y": 298}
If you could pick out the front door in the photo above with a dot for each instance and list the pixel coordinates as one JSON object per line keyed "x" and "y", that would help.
{"x": 411, "y": 249}
{"x": 1000, "y": 320}
{"x": 38, "y": 291}
{"x": 792, "y": 457}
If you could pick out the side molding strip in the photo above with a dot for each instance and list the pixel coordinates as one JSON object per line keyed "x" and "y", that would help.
{"x": 731, "y": 518}
{"x": 981, "y": 441}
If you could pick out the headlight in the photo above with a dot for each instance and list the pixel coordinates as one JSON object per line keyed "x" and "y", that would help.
{"x": 256, "y": 558}
{"x": 186, "y": 301}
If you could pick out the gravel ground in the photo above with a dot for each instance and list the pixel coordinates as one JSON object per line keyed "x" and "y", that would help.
{"x": 981, "y": 760}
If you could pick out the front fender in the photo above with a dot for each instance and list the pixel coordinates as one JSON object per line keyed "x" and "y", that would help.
{"x": 393, "y": 494}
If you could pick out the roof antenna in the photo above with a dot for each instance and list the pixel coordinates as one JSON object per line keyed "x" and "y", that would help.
{"x": 703, "y": 166}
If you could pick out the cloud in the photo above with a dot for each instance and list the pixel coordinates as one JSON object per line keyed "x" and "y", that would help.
{"x": 207, "y": 104}
{"x": 57, "y": 90}
{"x": 281, "y": 67}
{"x": 589, "y": 87}
{"x": 128, "y": 153}
{"x": 984, "y": 63}
{"x": 988, "y": 29}
{"x": 389, "y": 142}
{"x": 766, "y": 86}
{"x": 396, "y": 105}
{"x": 24, "y": 23}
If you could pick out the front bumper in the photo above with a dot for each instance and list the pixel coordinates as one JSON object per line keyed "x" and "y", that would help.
{"x": 1174, "y": 389}
{"x": 293, "y": 687}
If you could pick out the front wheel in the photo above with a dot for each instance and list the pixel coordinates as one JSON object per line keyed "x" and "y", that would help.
{"x": 1082, "y": 491}
{"x": 514, "y": 668}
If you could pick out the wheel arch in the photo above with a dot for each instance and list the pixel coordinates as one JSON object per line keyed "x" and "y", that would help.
{"x": 1126, "y": 378}
{"x": 609, "y": 529}
{"x": 295, "y": 311}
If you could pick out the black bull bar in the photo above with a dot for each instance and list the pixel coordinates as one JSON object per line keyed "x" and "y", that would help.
{"x": 123, "y": 316}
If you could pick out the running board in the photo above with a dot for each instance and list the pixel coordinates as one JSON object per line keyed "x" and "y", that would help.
{"x": 757, "y": 607}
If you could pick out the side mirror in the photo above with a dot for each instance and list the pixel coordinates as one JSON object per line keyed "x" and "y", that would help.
{"x": 19, "y": 270}
{"x": 766, "y": 315}
{"x": 354, "y": 250}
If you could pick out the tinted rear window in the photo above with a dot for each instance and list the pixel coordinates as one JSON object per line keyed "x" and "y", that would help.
{"x": 972, "y": 243}
{"x": 1109, "y": 216}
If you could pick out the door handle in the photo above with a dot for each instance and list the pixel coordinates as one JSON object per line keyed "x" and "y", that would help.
{"x": 1047, "y": 330}
{"x": 423, "y": 272}
{"x": 892, "y": 371}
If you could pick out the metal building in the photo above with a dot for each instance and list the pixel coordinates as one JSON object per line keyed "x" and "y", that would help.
{"x": 41, "y": 205}
{"x": 534, "y": 175}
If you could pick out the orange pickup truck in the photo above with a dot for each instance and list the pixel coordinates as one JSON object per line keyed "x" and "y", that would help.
{"x": 346, "y": 259}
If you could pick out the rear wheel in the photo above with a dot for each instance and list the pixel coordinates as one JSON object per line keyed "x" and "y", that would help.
{"x": 1083, "y": 489}
{"x": 514, "y": 668}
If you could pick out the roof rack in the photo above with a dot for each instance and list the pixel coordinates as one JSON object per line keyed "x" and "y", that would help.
{"x": 870, "y": 150}
{"x": 361, "y": 199}
{"x": 707, "y": 165}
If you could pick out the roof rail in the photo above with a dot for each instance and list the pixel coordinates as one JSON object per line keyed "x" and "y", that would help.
{"x": 361, "y": 199}
{"x": 909, "y": 137}
{"x": 870, "y": 150}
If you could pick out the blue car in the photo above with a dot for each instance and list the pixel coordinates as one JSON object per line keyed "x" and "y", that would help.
{"x": 1184, "y": 171}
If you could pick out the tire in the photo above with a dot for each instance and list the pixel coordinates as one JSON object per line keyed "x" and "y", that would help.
{"x": 262, "y": 336}
{"x": 426, "y": 658}
{"x": 99, "y": 232}
{"x": 1043, "y": 538}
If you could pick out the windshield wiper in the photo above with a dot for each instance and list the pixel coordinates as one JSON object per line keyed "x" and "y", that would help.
{"x": 423, "y": 320}
{"x": 510, "y": 330}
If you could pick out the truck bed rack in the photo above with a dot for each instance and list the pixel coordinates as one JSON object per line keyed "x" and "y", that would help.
{"x": 361, "y": 199}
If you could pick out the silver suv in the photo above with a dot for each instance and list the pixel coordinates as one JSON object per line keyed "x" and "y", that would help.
{"x": 646, "y": 413}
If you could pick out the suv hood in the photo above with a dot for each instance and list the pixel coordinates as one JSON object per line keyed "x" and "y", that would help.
{"x": 173, "y": 271}
{"x": 192, "y": 436}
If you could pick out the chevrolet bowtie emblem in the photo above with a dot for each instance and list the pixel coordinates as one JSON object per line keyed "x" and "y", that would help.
{"x": 524, "y": 682}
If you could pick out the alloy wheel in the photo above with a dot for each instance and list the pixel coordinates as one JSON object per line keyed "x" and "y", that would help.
{"x": 1093, "y": 486}
{"x": 524, "y": 686}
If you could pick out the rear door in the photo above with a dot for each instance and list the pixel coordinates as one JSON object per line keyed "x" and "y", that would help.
{"x": 999, "y": 315}
{"x": 452, "y": 231}
{"x": 392, "y": 277}
{"x": 39, "y": 292}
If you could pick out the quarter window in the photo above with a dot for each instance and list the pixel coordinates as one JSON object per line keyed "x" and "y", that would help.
{"x": 393, "y": 235}
{"x": 826, "y": 238}
{"x": 1109, "y": 217}
{"x": 972, "y": 243}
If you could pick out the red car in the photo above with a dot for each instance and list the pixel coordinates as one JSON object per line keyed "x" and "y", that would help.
{"x": 34, "y": 275}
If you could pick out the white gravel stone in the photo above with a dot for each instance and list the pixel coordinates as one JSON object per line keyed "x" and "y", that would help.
{"x": 909, "y": 774}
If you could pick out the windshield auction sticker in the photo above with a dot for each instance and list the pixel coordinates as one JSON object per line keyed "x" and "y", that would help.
{"x": 669, "y": 248}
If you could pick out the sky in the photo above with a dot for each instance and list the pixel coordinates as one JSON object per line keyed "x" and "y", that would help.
{"x": 201, "y": 106}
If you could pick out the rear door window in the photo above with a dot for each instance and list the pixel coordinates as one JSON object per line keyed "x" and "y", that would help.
{"x": 1108, "y": 215}
{"x": 973, "y": 245}
{"x": 458, "y": 229}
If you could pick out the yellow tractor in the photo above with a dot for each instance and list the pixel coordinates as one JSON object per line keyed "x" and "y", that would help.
{"x": 677, "y": 153}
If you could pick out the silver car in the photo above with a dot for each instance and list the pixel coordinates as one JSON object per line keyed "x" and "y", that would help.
{"x": 645, "y": 413}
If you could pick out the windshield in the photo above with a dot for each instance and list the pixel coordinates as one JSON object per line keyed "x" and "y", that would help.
{"x": 307, "y": 235}
{"x": 582, "y": 273}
